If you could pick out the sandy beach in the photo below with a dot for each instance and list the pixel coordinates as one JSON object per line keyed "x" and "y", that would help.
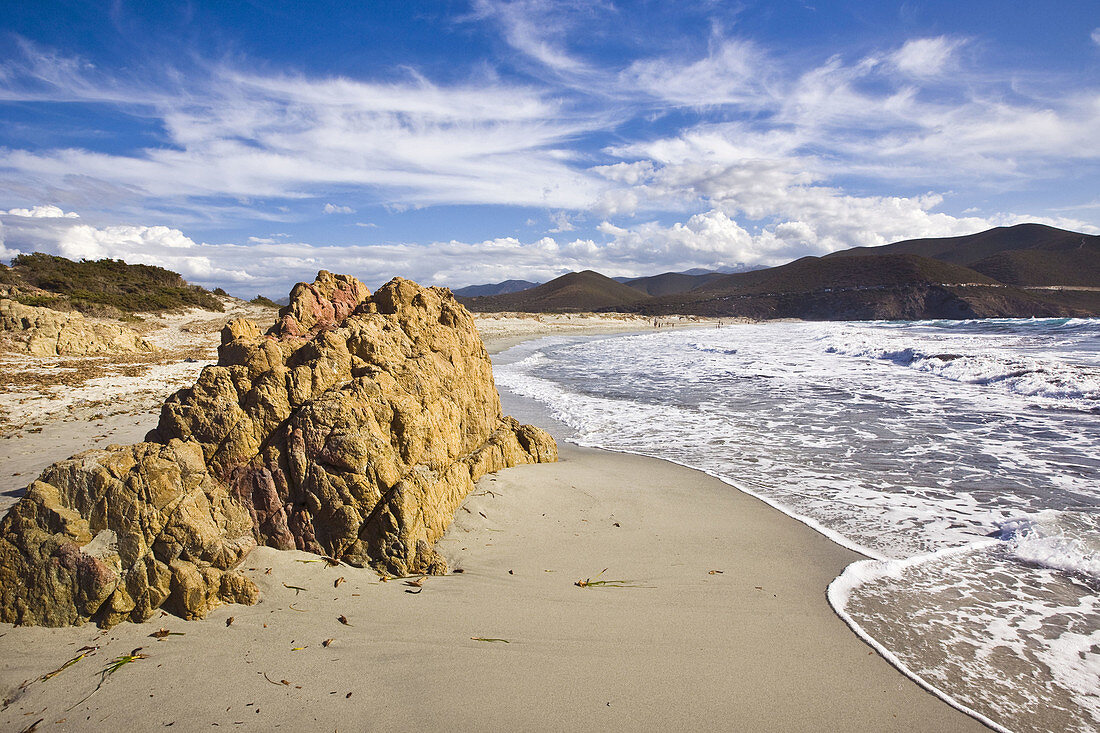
{"x": 720, "y": 622}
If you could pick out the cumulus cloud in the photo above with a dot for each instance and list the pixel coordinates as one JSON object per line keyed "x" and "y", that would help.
{"x": 1096, "y": 36}
{"x": 334, "y": 209}
{"x": 845, "y": 119}
{"x": 150, "y": 245}
{"x": 47, "y": 211}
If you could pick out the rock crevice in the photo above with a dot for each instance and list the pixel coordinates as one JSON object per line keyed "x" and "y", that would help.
{"x": 353, "y": 428}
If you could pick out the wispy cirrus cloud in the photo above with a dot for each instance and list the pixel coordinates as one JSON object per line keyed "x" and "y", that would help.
{"x": 540, "y": 30}
{"x": 230, "y": 133}
{"x": 926, "y": 57}
{"x": 734, "y": 72}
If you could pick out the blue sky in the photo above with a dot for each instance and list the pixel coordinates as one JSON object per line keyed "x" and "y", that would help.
{"x": 249, "y": 144}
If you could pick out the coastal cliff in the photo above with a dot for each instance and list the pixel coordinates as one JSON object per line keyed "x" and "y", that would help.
{"x": 353, "y": 428}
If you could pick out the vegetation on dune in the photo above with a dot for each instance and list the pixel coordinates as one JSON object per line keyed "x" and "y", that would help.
{"x": 264, "y": 301}
{"x": 102, "y": 287}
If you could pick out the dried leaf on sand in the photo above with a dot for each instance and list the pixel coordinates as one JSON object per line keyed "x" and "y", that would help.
{"x": 164, "y": 633}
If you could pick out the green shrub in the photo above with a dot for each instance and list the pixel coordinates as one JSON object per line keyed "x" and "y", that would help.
{"x": 46, "y": 300}
{"x": 114, "y": 284}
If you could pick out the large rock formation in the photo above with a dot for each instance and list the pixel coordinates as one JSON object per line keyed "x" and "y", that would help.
{"x": 46, "y": 332}
{"x": 114, "y": 534}
{"x": 353, "y": 428}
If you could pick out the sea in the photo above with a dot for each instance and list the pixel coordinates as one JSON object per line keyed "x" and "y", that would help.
{"x": 962, "y": 458}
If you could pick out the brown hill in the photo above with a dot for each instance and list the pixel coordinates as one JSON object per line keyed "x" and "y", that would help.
{"x": 1025, "y": 254}
{"x": 816, "y": 273}
{"x": 670, "y": 283}
{"x": 573, "y": 292}
{"x": 1019, "y": 271}
{"x": 892, "y": 286}
{"x": 508, "y": 286}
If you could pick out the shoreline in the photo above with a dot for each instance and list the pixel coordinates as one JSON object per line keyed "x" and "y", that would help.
{"x": 536, "y": 412}
{"x": 511, "y": 642}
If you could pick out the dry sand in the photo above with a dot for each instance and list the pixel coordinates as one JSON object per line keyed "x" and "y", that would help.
{"x": 504, "y": 330}
{"x": 511, "y": 643}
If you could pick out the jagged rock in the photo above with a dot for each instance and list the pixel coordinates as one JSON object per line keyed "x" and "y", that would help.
{"x": 46, "y": 332}
{"x": 326, "y": 301}
{"x": 353, "y": 428}
{"x": 114, "y": 534}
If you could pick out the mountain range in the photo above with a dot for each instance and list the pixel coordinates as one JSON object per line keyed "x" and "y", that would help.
{"x": 1020, "y": 271}
{"x": 508, "y": 286}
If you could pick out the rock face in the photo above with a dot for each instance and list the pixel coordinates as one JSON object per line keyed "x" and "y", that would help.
{"x": 115, "y": 534}
{"x": 353, "y": 428}
{"x": 46, "y": 332}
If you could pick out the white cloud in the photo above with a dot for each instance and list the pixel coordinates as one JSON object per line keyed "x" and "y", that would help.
{"x": 842, "y": 119}
{"x": 366, "y": 224}
{"x": 714, "y": 239}
{"x": 334, "y": 209}
{"x": 150, "y": 245}
{"x": 42, "y": 212}
{"x": 539, "y": 29}
{"x": 561, "y": 222}
{"x": 409, "y": 141}
{"x": 734, "y": 72}
{"x": 1096, "y": 36}
{"x": 924, "y": 57}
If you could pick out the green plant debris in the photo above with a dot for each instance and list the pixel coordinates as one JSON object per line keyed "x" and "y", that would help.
{"x": 121, "y": 661}
{"x": 486, "y": 638}
{"x": 84, "y": 651}
{"x": 113, "y": 666}
{"x": 63, "y": 667}
{"x": 296, "y": 588}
